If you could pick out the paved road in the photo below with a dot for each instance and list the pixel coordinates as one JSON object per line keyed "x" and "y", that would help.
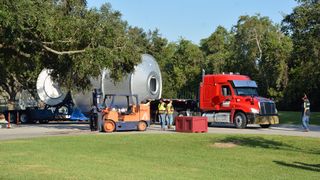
{"x": 52, "y": 129}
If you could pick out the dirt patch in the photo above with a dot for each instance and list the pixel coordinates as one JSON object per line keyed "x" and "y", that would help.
{"x": 224, "y": 145}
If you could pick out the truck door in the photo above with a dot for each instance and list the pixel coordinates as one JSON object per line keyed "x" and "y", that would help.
{"x": 226, "y": 97}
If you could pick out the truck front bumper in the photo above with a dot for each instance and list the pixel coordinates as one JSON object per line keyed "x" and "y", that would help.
{"x": 259, "y": 119}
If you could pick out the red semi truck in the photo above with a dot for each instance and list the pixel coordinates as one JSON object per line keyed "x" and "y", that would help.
{"x": 226, "y": 99}
{"x": 233, "y": 99}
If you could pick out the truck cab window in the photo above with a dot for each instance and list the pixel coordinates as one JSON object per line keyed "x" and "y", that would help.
{"x": 226, "y": 90}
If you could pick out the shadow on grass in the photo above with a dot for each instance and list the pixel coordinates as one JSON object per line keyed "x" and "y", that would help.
{"x": 256, "y": 142}
{"x": 260, "y": 142}
{"x": 300, "y": 165}
{"x": 61, "y": 125}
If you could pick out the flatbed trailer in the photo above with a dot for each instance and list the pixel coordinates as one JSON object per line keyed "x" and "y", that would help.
{"x": 182, "y": 107}
{"x": 33, "y": 114}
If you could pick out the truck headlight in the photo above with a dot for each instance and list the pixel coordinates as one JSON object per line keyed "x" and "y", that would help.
{"x": 254, "y": 111}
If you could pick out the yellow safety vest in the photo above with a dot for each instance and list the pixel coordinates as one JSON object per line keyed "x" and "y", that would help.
{"x": 161, "y": 108}
{"x": 170, "y": 108}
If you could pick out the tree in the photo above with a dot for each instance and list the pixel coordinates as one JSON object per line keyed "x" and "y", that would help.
{"x": 163, "y": 52}
{"x": 303, "y": 25}
{"x": 180, "y": 65}
{"x": 217, "y": 50}
{"x": 74, "y": 41}
{"x": 261, "y": 51}
{"x": 157, "y": 46}
{"x": 184, "y": 69}
{"x": 140, "y": 38}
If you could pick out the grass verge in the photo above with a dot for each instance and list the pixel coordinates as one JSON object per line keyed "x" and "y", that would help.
{"x": 291, "y": 117}
{"x": 161, "y": 156}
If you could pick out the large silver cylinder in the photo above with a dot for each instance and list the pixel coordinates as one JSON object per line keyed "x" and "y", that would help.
{"x": 83, "y": 99}
{"x": 48, "y": 90}
{"x": 145, "y": 81}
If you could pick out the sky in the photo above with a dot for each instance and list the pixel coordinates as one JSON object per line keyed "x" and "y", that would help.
{"x": 193, "y": 19}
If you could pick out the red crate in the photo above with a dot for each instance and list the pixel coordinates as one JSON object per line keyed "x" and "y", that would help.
{"x": 193, "y": 124}
{"x": 179, "y": 121}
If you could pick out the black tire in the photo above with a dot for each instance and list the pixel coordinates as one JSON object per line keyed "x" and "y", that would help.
{"x": 240, "y": 120}
{"x": 265, "y": 125}
{"x": 24, "y": 118}
{"x": 142, "y": 126}
{"x": 178, "y": 114}
{"x": 109, "y": 126}
{"x": 43, "y": 121}
{"x": 182, "y": 113}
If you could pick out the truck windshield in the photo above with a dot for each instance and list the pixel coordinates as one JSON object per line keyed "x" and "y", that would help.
{"x": 246, "y": 91}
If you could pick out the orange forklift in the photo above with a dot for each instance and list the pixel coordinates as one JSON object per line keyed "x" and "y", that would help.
{"x": 131, "y": 115}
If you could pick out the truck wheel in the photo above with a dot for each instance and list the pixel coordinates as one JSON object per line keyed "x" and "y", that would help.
{"x": 24, "y": 118}
{"x": 240, "y": 120}
{"x": 142, "y": 126}
{"x": 109, "y": 126}
{"x": 265, "y": 125}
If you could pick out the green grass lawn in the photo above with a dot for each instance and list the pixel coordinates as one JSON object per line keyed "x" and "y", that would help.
{"x": 160, "y": 156}
{"x": 290, "y": 117}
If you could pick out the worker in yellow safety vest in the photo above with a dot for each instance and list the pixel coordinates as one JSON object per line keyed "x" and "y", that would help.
{"x": 170, "y": 111}
{"x": 162, "y": 114}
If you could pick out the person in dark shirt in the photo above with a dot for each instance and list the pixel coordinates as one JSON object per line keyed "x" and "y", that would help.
{"x": 130, "y": 109}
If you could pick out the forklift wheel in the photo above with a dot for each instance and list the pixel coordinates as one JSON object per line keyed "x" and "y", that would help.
{"x": 109, "y": 126}
{"x": 142, "y": 126}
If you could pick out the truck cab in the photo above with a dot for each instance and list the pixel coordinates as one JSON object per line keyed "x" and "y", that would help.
{"x": 233, "y": 99}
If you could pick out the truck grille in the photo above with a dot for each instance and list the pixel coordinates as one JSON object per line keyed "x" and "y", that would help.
{"x": 267, "y": 108}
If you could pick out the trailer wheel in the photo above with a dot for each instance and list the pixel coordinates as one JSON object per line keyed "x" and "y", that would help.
{"x": 43, "y": 121}
{"x": 109, "y": 126}
{"x": 182, "y": 113}
{"x": 142, "y": 126}
{"x": 24, "y": 118}
{"x": 240, "y": 120}
{"x": 265, "y": 125}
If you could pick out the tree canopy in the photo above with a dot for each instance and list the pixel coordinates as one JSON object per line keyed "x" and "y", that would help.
{"x": 63, "y": 35}
{"x": 261, "y": 51}
{"x": 77, "y": 42}
{"x": 303, "y": 27}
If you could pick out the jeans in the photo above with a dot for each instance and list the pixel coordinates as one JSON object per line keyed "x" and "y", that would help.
{"x": 162, "y": 118}
{"x": 170, "y": 119}
{"x": 305, "y": 122}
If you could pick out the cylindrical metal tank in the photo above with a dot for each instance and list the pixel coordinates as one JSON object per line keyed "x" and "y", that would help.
{"x": 84, "y": 100}
{"x": 48, "y": 90}
{"x": 145, "y": 81}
